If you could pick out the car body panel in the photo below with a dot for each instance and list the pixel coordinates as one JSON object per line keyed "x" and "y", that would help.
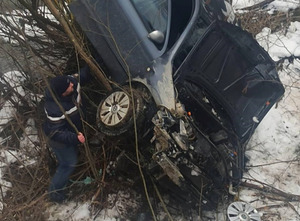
{"x": 215, "y": 56}
{"x": 205, "y": 86}
{"x": 119, "y": 36}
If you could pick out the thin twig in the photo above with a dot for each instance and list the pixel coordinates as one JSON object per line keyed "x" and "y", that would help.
{"x": 74, "y": 37}
{"x": 270, "y": 189}
{"x": 268, "y": 164}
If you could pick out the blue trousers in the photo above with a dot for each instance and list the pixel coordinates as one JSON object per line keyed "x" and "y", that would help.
{"x": 67, "y": 160}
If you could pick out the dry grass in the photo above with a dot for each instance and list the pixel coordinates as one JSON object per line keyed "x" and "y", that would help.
{"x": 27, "y": 199}
{"x": 255, "y": 21}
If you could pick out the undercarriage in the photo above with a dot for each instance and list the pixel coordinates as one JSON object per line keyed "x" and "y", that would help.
{"x": 179, "y": 156}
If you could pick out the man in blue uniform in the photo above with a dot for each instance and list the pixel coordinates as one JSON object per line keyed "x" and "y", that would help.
{"x": 63, "y": 136}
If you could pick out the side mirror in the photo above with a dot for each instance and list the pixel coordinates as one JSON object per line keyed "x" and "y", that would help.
{"x": 156, "y": 36}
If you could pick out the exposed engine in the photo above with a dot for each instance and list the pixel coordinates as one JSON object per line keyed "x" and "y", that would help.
{"x": 197, "y": 163}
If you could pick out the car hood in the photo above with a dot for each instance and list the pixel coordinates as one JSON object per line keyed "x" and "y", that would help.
{"x": 236, "y": 72}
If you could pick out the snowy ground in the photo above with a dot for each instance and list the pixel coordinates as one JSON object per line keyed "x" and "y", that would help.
{"x": 275, "y": 146}
{"x": 273, "y": 150}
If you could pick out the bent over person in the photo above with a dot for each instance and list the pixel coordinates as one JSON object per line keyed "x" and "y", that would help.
{"x": 63, "y": 137}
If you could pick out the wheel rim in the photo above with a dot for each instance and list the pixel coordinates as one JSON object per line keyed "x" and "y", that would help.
{"x": 114, "y": 108}
{"x": 240, "y": 211}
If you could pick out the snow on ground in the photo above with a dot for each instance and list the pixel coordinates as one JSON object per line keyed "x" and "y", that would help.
{"x": 275, "y": 145}
{"x": 18, "y": 20}
{"x": 14, "y": 80}
{"x": 118, "y": 205}
{"x": 6, "y": 113}
{"x": 240, "y": 4}
{"x": 279, "y": 44}
{"x": 272, "y": 150}
{"x": 280, "y": 5}
{"x": 5, "y": 159}
{"x": 276, "y": 139}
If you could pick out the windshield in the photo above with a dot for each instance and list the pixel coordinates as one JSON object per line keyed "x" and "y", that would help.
{"x": 154, "y": 14}
{"x": 193, "y": 36}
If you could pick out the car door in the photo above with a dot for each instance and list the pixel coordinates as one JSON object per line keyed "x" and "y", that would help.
{"x": 119, "y": 30}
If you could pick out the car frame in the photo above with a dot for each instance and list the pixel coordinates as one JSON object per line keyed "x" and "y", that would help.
{"x": 200, "y": 83}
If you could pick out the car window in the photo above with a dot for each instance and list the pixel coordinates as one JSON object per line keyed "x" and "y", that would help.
{"x": 154, "y": 14}
{"x": 194, "y": 35}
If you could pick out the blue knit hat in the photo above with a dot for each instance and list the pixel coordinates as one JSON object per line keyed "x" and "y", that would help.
{"x": 60, "y": 84}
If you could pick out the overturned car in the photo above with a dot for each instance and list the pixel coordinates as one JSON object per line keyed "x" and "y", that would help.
{"x": 200, "y": 83}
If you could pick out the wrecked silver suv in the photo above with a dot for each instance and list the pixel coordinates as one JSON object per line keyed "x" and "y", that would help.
{"x": 200, "y": 83}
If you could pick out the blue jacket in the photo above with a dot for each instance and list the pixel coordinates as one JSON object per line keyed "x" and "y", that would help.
{"x": 56, "y": 126}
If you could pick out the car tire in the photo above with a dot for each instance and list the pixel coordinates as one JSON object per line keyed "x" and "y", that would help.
{"x": 115, "y": 112}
